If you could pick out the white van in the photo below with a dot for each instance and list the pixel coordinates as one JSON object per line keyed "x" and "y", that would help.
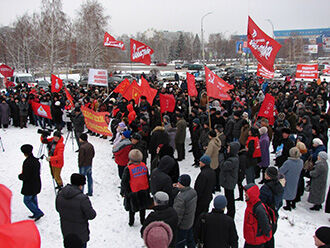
{"x": 23, "y": 77}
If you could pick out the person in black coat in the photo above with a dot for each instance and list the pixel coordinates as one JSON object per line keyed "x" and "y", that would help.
{"x": 195, "y": 134}
{"x": 158, "y": 136}
{"x": 215, "y": 229}
{"x": 57, "y": 114}
{"x": 163, "y": 212}
{"x": 141, "y": 145}
{"x": 14, "y": 111}
{"x": 286, "y": 144}
{"x": 31, "y": 182}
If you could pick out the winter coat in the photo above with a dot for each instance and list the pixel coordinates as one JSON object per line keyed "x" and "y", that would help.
{"x": 86, "y": 154}
{"x": 158, "y": 136}
{"x": 56, "y": 114}
{"x": 319, "y": 177}
{"x": 75, "y": 210}
{"x": 237, "y": 128}
{"x": 142, "y": 147}
{"x": 121, "y": 150}
{"x": 181, "y": 127}
{"x": 78, "y": 122}
{"x": 307, "y": 127}
{"x": 204, "y": 138}
{"x": 4, "y": 113}
{"x": 264, "y": 147}
{"x": 57, "y": 159}
{"x": 166, "y": 214}
{"x": 291, "y": 169}
{"x": 131, "y": 113}
{"x": 23, "y": 108}
{"x": 195, "y": 134}
{"x": 316, "y": 152}
{"x": 30, "y": 176}
{"x": 292, "y": 119}
{"x": 244, "y": 135}
{"x": 271, "y": 193}
{"x": 185, "y": 206}
{"x": 229, "y": 169}
{"x": 256, "y": 228}
{"x": 171, "y": 136}
{"x": 287, "y": 145}
{"x": 218, "y": 231}
{"x": 212, "y": 150}
{"x": 229, "y": 129}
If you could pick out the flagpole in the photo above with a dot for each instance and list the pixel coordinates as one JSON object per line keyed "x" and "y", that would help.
{"x": 208, "y": 109}
{"x": 189, "y": 104}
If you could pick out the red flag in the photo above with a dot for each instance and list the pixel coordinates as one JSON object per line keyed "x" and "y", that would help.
{"x": 6, "y": 71}
{"x": 41, "y": 110}
{"x": 263, "y": 47}
{"x": 122, "y": 86}
{"x": 132, "y": 92}
{"x": 57, "y": 83}
{"x": 307, "y": 71}
{"x": 267, "y": 108}
{"x": 167, "y": 103}
{"x": 140, "y": 52}
{"x": 147, "y": 91}
{"x": 5, "y": 210}
{"x": 20, "y": 234}
{"x": 109, "y": 41}
{"x": 216, "y": 87}
{"x": 263, "y": 72}
{"x": 68, "y": 96}
{"x": 191, "y": 85}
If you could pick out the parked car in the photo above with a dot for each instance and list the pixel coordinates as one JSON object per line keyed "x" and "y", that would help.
{"x": 195, "y": 67}
{"x": 44, "y": 84}
{"x": 161, "y": 64}
{"x": 167, "y": 76}
{"x": 83, "y": 80}
{"x": 178, "y": 67}
{"x": 68, "y": 81}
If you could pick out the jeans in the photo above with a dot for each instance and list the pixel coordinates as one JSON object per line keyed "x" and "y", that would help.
{"x": 31, "y": 202}
{"x": 185, "y": 238}
{"x": 87, "y": 171}
{"x": 249, "y": 172}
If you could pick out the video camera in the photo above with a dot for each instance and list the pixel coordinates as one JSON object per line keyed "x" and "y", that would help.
{"x": 45, "y": 132}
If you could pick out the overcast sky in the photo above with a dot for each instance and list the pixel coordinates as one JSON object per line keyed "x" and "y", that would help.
{"x": 228, "y": 16}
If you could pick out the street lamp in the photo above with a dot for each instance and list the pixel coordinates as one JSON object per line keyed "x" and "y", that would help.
{"x": 268, "y": 20}
{"x": 202, "y": 34}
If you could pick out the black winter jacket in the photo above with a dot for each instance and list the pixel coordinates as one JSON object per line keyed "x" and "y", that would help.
{"x": 30, "y": 176}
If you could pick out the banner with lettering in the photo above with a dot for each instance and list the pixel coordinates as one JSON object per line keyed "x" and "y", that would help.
{"x": 96, "y": 121}
{"x": 98, "y": 77}
{"x": 263, "y": 72}
{"x": 109, "y": 41}
{"x": 140, "y": 52}
{"x": 307, "y": 71}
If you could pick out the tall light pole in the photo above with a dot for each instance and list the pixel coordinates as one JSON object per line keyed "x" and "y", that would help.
{"x": 268, "y": 20}
{"x": 202, "y": 34}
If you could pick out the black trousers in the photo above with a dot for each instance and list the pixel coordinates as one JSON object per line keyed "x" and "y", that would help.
{"x": 229, "y": 193}
{"x": 246, "y": 245}
{"x": 142, "y": 216}
{"x": 180, "y": 149}
{"x": 121, "y": 171}
{"x": 197, "y": 153}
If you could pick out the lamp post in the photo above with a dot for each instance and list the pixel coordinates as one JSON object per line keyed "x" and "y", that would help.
{"x": 202, "y": 35}
{"x": 268, "y": 20}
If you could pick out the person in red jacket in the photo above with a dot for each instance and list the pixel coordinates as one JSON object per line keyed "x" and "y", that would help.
{"x": 257, "y": 229}
{"x": 121, "y": 150}
{"x": 55, "y": 157}
{"x": 131, "y": 113}
{"x": 253, "y": 154}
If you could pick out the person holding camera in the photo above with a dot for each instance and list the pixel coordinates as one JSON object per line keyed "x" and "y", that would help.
{"x": 55, "y": 157}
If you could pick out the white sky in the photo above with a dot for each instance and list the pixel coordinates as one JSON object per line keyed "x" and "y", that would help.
{"x": 229, "y": 16}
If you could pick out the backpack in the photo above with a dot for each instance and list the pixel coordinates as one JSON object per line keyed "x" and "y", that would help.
{"x": 271, "y": 213}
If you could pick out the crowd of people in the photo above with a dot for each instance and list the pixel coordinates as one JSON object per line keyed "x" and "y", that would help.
{"x": 229, "y": 142}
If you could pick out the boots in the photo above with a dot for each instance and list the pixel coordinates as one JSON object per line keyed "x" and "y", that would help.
{"x": 316, "y": 208}
{"x": 131, "y": 218}
{"x": 240, "y": 189}
{"x": 142, "y": 216}
{"x": 288, "y": 206}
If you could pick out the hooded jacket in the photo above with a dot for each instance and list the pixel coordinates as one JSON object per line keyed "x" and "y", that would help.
{"x": 131, "y": 113}
{"x": 57, "y": 159}
{"x": 212, "y": 150}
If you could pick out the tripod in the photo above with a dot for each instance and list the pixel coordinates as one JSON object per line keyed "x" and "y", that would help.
{"x": 70, "y": 134}
{"x": 3, "y": 148}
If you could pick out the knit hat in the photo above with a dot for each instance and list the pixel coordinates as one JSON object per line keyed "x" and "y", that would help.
{"x": 323, "y": 155}
{"x": 272, "y": 172}
{"x": 220, "y": 202}
{"x": 286, "y": 130}
{"x": 72, "y": 241}
{"x": 323, "y": 234}
{"x": 161, "y": 198}
{"x": 294, "y": 152}
{"x": 317, "y": 141}
{"x": 197, "y": 121}
{"x": 135, "y": 155}
{"x": 166, "y": 150}
{"x": 237, "y": 114}
{"x": 185, "y": 180}
{"x": 78, "y": 179}
{"x": 27, "y": 148}
{"x": 127, "y": 134}
{"x": 281, "y": 116}
{"x": 83, "y": 136}
{"x": 263, "y": 130}
{"x": 136, "y": 136}
{"x": 205, "y": 159}
{"x": 57, "y": 134}
{"x": 212, "y": 133}
{"x": 157, "y": 234}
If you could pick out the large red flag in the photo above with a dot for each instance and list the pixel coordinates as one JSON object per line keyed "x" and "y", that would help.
{"x": 6, "y": 71}
{"x": 5, "y": 210}
{"x": 57, "y": 83}
{"x": 109, "y": 41}
{"x": 167, "y": 103}
{"x": 41, "y": 110}
{"x": 216, "y": 87}
{"x": 192, "y": 91}
{"x": 307, "y": 71}
{"x": 23, "y": 234}
{"x": 263, "y": 72}
{"x": 140, "y": 52}
{"x": 68, "y": 96}
{"x": 122, "y": 86}
{"x": 132, "y": 92}
{"x": 147, "y": 91}
{"x": 263, "y": 47}
{"x": 267, "y": 108}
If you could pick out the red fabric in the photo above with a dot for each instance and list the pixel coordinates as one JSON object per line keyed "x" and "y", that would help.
{"x": 131, "y": 113}
{"x": 132, "y": 92}
{"x": 6, "y": 71}
{"x": 263, "y": 72}
{"x": 147, "y": 91}
{"x": 267, "y": 108}
{"x": 8, "y": 84}
{"x": 167, "y": 103}
{"x": 109, "y": 41}
{"x": 307, "y": 71}
{"x": 121, "y": 157}
{"x": 257, "y": 151}
{"x": 250, "y": 222}
{"x": 122, "y": 87}
{"x": 216, "y": 87}
{"x": 114, "y": 112}
{"x": 5, "y": 210}
{"x": 263, "y": 47}
{"x": 192, "y": 91}
{"x": 41, "y": 110}
{"x": 57, "y": 160}
{"x": 140, "y": 52}
{"x": 68, "y": 96}
{"x": 138, "y": 177}
{"x": 57, "y": 83}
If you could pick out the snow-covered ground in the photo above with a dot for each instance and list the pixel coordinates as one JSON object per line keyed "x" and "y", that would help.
{"x": 110, "y": 227}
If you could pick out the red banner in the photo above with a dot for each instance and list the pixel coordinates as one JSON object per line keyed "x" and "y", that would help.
{"x": 132, "y": 92}
{"x": 262, "y": 46}
{"x": 5, "y": 210}
{"x": 68, "y": 96}
{"x": 307, "y": 71}
{"x": 122, "y": 86}
{"x": 326, "y": 69}
{"x": 267, "y": 108}
{"x": 167, "y": 103}
{"x": 41, "y": 110}
{"x": 6, "y": 71}
{"x": 109, "y": 41}
{"x": 147, "y": 91}
{"x": 57, "y": 83}
{"x": 140, "y": 52}
{"x": 216, "y": 87}
{"x": 96, "y": 121}
{"x": 263, "y": 72}
{"x": 192, "y": 91}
